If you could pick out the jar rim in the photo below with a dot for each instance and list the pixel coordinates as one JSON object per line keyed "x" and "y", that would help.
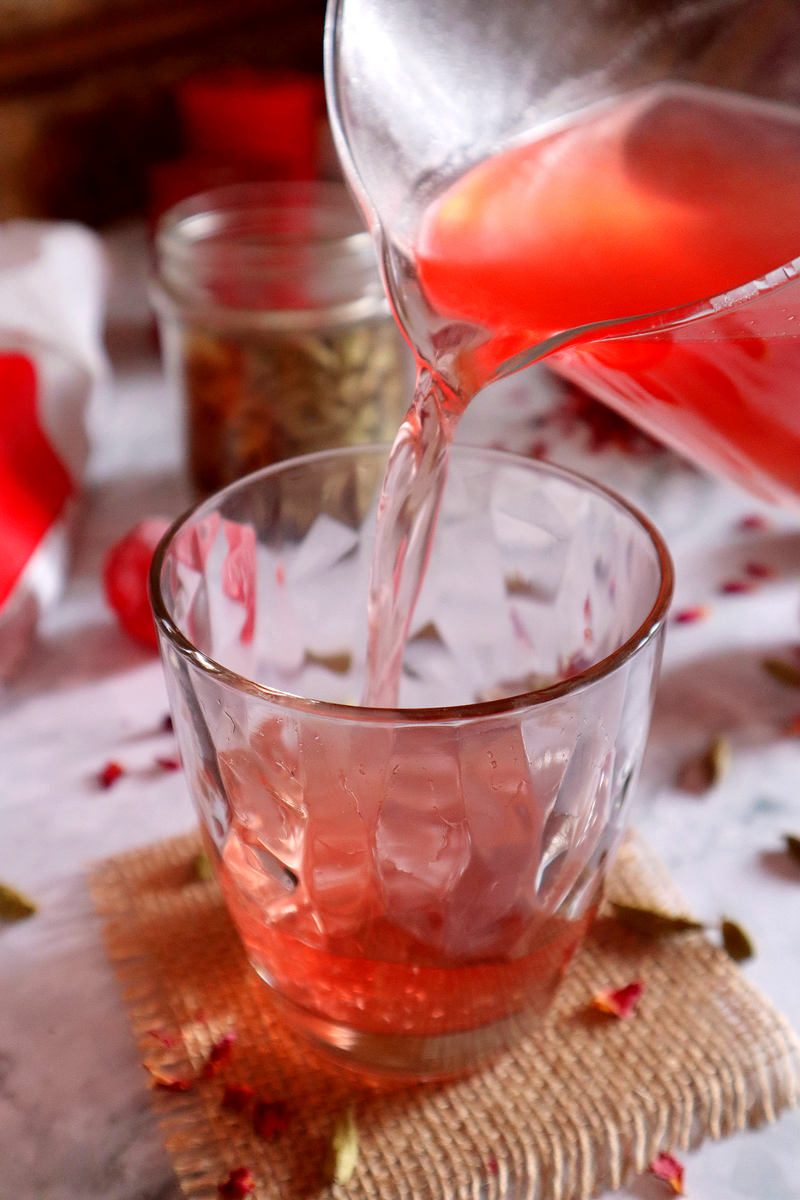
{"x": 276, "y": 247}
{"x": 208, "y": 216}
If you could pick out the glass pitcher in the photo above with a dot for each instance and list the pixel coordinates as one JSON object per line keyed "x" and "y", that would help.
{"x": 680, "y": 304}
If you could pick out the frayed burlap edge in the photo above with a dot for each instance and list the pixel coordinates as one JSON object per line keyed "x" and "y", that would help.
{"x": 580, "y": 1106}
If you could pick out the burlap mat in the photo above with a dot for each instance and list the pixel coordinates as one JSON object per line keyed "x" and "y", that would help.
{"x": 581, "y": 1107}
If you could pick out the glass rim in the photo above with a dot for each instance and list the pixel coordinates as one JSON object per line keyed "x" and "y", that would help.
{"x": 645, "y": 632}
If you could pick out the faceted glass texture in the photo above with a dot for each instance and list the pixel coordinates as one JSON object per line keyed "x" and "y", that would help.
{"x": 411, "y": 883}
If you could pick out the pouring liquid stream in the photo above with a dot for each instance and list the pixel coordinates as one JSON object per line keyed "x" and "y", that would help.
{"x": 660, "y": 199}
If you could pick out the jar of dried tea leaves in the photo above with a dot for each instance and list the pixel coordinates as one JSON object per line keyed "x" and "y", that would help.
{"x": 275, "y": 327}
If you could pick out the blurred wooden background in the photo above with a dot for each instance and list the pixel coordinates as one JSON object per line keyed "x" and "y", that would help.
{"x": 85, "y": 90}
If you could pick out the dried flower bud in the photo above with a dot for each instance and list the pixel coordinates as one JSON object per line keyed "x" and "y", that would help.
{"x": 667, "y": 1167}
{"x": 339, "y": 663}
{"x": 737, "y": 943}
{"x": 652, "y": 923}
{"x": 793, "y": 846}
{"x": 782, "y": 671}
{"x": 201, "y": 867}
{"x": 14, "y": 906}
{"x": 704, "y": 771}
{"x": 620, "y": 1003}
{"x": 344, "y": 1149}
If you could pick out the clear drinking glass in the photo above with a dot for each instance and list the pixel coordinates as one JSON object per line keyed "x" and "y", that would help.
{"x": 411, "y": 883}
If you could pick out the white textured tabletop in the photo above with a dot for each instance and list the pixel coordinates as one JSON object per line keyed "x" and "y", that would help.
{"x": 75, "y": 1121}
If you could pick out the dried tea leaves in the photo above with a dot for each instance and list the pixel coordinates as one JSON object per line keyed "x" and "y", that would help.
{"x": 257, "y": 396}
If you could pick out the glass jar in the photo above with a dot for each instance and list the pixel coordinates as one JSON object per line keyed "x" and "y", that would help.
{"x": 275, "y": 327}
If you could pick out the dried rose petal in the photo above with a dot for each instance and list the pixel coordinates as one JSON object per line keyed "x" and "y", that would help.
{"x": 689, "y": 616}
{"x": 793, "y": 728}
{"x": 220, "y": 1053}
{"x": 125, "y": 573}
{"x": 169, "y": 764}
{"x": 735, "y": 587}
{"x": 109, "y": 775}
{"x": 619, "y": 1003}
{"x": 241, "y": 1182}
{"x": 167, "y": 1039}
{"x": 793, "y": 846}
{"x": 759, "y": 570}
{"x": 170, "y": 1083}
{"x": 755, "y": 521}
{"x": 239, "y": 573}
{"x": 270, "y": 1117}
{"x": 237, "y": 1096}
{"x": 492, "y": 1165}
{"x": 667, "y": 1167}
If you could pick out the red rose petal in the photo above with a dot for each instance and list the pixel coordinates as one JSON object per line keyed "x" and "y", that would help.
{"x": 620, "y": 1003}
{"x": 109, "y": 775}
{"x": 667, "y": 1167}
{"x": 237, "y": 1096}
{"x": 688, "y": 616}
{"x": 220, "y": 1053}
{"x": 734, "y": 587}
{"x": 169, "y": 764}
{"x": 171, "y": 1083}
{"x": 166, "y": 1039}
{"x": 270, "y": 1118}
{"x": 125, "y": 573}
{"x": 241, "y": 1182}
{"x": 239, "y": 573}
{"x": 759, "y": 570}
{"x": 754, "y": 521}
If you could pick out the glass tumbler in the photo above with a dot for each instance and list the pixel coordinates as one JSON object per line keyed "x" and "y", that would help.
{"x": 411, "y": 883}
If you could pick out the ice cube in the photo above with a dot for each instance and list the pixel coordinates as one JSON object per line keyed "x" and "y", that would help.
{"x": 422, "y": 839}
{"x": 265, "y": 791}
{"x": 344, "y": 770}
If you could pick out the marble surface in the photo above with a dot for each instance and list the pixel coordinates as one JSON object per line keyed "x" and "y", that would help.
{"x": 75, "y": 1122}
